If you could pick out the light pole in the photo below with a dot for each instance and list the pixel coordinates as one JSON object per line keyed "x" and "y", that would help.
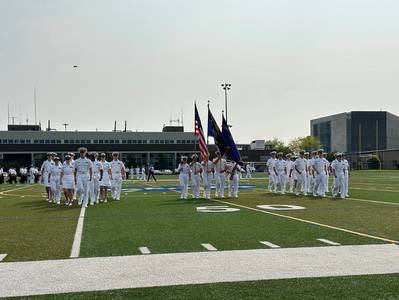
{"x": 226, "y": 87}
{"x": 65, "y": 126}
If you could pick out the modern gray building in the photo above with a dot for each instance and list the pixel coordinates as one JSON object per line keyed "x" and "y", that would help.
{"x": 357, "y": 131}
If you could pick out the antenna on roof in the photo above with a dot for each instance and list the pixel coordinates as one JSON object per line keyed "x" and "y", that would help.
{"x": 182, "y": 124}
{"x": 125, "y": 126}
{"x": 115, "y": 126}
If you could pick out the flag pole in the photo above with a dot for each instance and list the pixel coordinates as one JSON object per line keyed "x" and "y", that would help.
{"x": 207, "y": 136}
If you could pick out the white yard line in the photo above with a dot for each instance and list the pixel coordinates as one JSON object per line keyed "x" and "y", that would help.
{"x": 136, "y": 271}
{"x": 309, "y": 222}
{"x": 329, "y": 242}
{"x": 19, "y": 188}
{"x": 144, "y": 250}
{"x": 209, "y": 247}
{"x": 78, "y": 234}
{"x": 2, "y": 256}
{"x": 270, "y": 245}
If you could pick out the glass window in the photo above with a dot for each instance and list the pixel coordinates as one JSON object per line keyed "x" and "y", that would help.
{"x": 183, "y": 141}
{"x": 58, "y": 141}
{"x": 151, "y": 141}
{"x": 66, "y": 141}
{"x": 35, "y": 141}
{"x": 52, "y": 142}
{"x": 139, "y": 141}
{"x": 106, "y": 141}
{"x": 4, "y": 141}
{"x": 161, "y": 141}
{"x": 11, "y": 141}
{"x": 116, "y": 141}
{"x": 144, "y": 141}
{"x": 88, "y": 141}
{"x": 156, "y": 141}
{"x": 124, "y": 141}
{"x": 41, "y": 141}
{"x": 178, "y": 141}
{"x": 100, "y": 141}
{"x": 82, "y": 141}
{"x": 22, "y": 141}
{"x": 95, "y": 141}
{"x": 47, "y": 142}
{"x": 71, "y": 141}
{"x": 134, "y": 142}
{"x": 111, "y": 141}
{"x": 28, "y": 141}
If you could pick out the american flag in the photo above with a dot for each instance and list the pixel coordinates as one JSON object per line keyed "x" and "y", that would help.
{"x": 199, "y": 133}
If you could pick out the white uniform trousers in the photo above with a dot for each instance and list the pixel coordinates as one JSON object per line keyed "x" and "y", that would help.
{"x": 116, "y": 188}
{"x": 55, "y": 187}
{"x": 290, "y": 182}
{"x": 94, "y": 189}
{"x": 346, "y": 185}
{"x": 195, "y": 185}
{"x": 183, "y": 180}
{"x": 46, "y": 181}
{"x": 82, "y": 188}
{"x": 327, "y": 183}
{"x": 302, "y": 183}
{"x": 280, "y": 184}
{"x": 339, "y": 186}
{"x": 234, "y": 181}
{"x": 248, "y": 175}
{"x": 272, "y": 182}
{"x": 220, "y": 180}
{"x": 311, "y": 183}
{"x": 320, "y": 185}
{"x": 207, "y": 177}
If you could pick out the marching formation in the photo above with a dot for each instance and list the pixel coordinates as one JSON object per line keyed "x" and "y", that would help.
{"x": 87, "y": 179}
{"x": 219, "y": 168}
{"x": 308, "y": 173}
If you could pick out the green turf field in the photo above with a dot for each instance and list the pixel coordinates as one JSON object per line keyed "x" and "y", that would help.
{"x": 32, "y": 229}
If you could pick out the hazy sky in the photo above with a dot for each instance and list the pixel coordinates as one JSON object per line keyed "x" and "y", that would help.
{"x": 287, "y": 61}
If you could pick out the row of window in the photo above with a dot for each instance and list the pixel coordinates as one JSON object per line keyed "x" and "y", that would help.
{"x": 23, "y": 141}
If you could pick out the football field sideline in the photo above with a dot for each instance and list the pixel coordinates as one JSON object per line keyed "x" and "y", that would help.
{"x": 136, "y": 271}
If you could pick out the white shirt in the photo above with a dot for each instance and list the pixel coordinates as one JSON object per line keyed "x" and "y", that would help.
{"x": 12, "y": 171}
{"x": 207, "y": 166}
{"x": 232, "y": 168}
{"x": 220, "y": 166}
{"x": 346, "y": 163}
{"x": 67, "y": 170}
{"x": 290, "y": 165}
{"x": 196, "y": 168}
{"x": 184, "y": 168}
{"x": 55, "y": 171}
{"x": 270, "y": 165}
{"x": 46, "y": 166}
{"x": 97, "y": 167}
{"x": 117, "y": 167}
{"x": 83, "y": 166}
{"x": 300, "y": 164}
{"x": 280, "y": 165}
{"x": 339, "y": 167}
{"x": 106, "y": 167}
{"x": 319, "y": 165}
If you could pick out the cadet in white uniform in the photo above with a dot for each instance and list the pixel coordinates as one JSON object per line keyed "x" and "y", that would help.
{"x": 270, "y": 168}
{"x": 219, "y": 164}
{"x": 338, "y": 168}
{"x": 118, "y": 173}
{"x": 233, "y": 170}
{"x": 248, "y": 170}
{"x": 83, "y": 171}
{"x": 196, "y": 170}
{"x": 290, "y": 167}
{"x": 319, "y": 167}
{"x": 54, "y": 178}
{"x": 280, "y": 169}
{"x": 44, "y": 171}
{"x": 143, "y": 173}
{"x": 310, "y": 171}
{"x": 301, "y": 173}
{"x": 72, "y": 155}
{"x": 97, "y": 176}
{"x": 328, "y": 167}
{"x": 184, "y": 177}
{"x": 23, "y": 173}
{"x": 105, "y": 182}
{"x": 1, "y": 175}
{"x": 67, "y": 180}
{"x": 347, "y": 175}
{"x": 207, "y": 173}
{"x": 137, "y": 171}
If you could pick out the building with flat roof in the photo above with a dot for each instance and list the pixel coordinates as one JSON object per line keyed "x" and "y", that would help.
{"x": 22, "y": 145}
{"x": 357, "y": 131}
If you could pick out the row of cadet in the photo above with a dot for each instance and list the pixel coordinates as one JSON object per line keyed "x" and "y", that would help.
{"x": 25, "y": 176}
{"x": 308, "y": 173}
{"x": 87, "y": 179}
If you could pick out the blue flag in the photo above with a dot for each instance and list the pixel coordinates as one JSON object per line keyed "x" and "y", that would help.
{"x": 232, "y": 151}
{"x": 214, "y": 131}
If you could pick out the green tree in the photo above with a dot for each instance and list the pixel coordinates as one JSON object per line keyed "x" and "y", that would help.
{"x": 278, "y": 145}
{"x": 307, "y": 143}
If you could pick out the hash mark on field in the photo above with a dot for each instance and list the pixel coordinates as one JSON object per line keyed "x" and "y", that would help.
{"x": 329, "y": 242}
{"x": 144, "y": 250}
{"x": 78, "y": 235}
{"x": 209, "y": 247}
{"x": 2, "y": 256}
{"x": 273, "y": 246}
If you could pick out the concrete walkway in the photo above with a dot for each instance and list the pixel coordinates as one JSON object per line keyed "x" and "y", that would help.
{"x": 106, "y": 273}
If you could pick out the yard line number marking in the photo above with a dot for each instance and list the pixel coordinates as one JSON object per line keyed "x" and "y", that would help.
{"x": 329, "y": 242}
{"x": 271, "y": 245}
{"x": 144, "y": 250}
{"x": 310, "y": 222}
{"x": 2, "y": 256}
{"x": 209, "y": 247}
{"x": 78, "y": 234}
